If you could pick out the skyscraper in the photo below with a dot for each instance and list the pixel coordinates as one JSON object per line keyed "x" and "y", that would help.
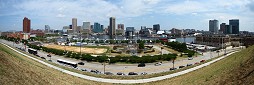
{"x": 74, "y": 24}
{"x": 156, "y": 27}
{"x": 47, "y": 29}
{"x": 213, "y": 26}
{"x": 120, "y": 26}
{"x": 97, "y": 28}
{"x": 86, "y": 25}
{"x": 112, "y": 27}
{"x": 228, "y": 29}
{"x": 223, "y": 28}
{"x": 235, "y": 25}
{"x": 26, "y": 25}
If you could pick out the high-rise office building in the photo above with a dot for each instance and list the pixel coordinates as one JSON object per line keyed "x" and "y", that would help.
{"x": 223, "y": 28}
{"x": 130, "y": 31}
{"x": 112, "y": 27}
{"x": 74, "y": 24}
{"x": 235, "y": 25}
{"x": 26, "y": 25}
{"x": 156, "y": 27}
{"x": 213, "y": 26}
{"x": 120, "y": 26}
{"x": 102, "y": 27}
{"x": 97, "y": 28}
{"x": 47, "y": 29}
{"x": 86, "y": 25}
{"x": 228, "y": 29}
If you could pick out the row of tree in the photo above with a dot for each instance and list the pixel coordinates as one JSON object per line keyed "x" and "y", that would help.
{"x": 181, "y": 47}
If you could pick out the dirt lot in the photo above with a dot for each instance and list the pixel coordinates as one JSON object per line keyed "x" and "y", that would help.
{"x": 77, "y": 49}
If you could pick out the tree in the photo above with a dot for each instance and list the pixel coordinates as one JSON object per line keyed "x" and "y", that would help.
{"x": 141, "y": 45}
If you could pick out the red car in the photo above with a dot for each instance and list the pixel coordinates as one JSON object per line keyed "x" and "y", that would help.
{"x": 202, "y": 61}
{"x": 197, "y": 63}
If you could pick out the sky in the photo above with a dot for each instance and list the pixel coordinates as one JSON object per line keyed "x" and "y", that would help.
{"x": 181, "y": 14}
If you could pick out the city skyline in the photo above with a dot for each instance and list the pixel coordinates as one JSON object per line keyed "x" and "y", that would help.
{"x": 182, "y": 14}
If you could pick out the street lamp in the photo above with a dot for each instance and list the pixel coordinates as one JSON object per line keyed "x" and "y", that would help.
{"x": 105, "y": 64}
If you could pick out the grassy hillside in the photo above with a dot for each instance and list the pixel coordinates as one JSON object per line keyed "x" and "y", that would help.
{"x": 235, "y": 69}
{"x": 16, "y": 69}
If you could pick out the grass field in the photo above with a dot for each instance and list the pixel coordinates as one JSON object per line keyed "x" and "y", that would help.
{"x": 236, "y": 69}
{"x": 89, "y": 49}
{"x": 16, "y": 69}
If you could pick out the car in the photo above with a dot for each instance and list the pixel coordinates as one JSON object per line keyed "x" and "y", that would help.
{"x": 197, "y": 63}
{"x": 143, "y": 73}
{"x": 189, "y": 64}
{"x": 202, "y": 61}
{"x": 48, "y": 55}
{"x": 95, "y": 71}
{"x": 190, "y": 58}
{"x": 37, "y": 55}
{"x": 172, "y": 68}
{"x": 50, "y": 60}
{"x": 120, "y": 73}
{"x": 83, "y": 69}
{"x": 81, "y": 63}
{"x": 43, "y": 58}
{"x": 157, "y": 64}
{"x": 181, "y": 66}
{"x": 141, "y": 65}
{"x": 132, "y": 73}
{"x": 108, "y": 73}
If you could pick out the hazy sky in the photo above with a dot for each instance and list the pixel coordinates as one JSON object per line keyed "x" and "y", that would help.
{"x": 182, "y": 14}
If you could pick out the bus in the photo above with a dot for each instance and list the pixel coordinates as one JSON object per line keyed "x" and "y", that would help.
{"x": 32, "y": 51}
{"x": 73, "y": 64}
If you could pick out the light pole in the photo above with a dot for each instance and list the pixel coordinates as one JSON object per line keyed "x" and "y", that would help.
{"x": 105, "y": 65}
{"x": 173, "y": 63}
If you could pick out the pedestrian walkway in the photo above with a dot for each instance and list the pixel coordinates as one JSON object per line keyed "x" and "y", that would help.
{"x": 122, "y": 81}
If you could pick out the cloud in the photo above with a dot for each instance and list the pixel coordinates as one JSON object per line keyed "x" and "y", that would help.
{"x": 186, "y": 7}
{"x": 58, "y": 13}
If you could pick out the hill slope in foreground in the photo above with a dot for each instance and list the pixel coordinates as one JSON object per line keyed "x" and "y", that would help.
{"x": 235, "y": 69}
{"x": 16, "y": 69}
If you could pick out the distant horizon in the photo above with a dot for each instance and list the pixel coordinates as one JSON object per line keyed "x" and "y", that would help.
{"x": 179, "y": 14}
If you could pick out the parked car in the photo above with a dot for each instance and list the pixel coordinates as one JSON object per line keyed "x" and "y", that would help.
{"x": 189, "y": 64}
{"x": 132, "y": 73}
{"x": 141, "y": 65}
{"x": 37, "y": 55}
{"x": 108, "y": 73}
{"x": 157, "y": 64}
{"x": 43, "y": 58}
{"x": 48, "y": 55}
{"x": 202, "y": 61}
{"x": 197, "y": 63}
{"x": 50, "y": 60}
{"x": 83, "y": 69}
{"x": 143, "y": 73}
{"x": 190, "y": 58}
{"x": 96, "y": 71}
{"x": 120, "y": 73}
{"x": 172, "y": 68}
{"x": 181, "y": 66}
{"x": 81, "y": 63}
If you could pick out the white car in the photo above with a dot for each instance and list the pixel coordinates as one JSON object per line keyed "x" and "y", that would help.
{"x": 157, "y": 64}
{"x": 190, "y": 58}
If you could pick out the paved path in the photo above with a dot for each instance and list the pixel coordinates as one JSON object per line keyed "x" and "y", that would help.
{"x": 122, "y": 81}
